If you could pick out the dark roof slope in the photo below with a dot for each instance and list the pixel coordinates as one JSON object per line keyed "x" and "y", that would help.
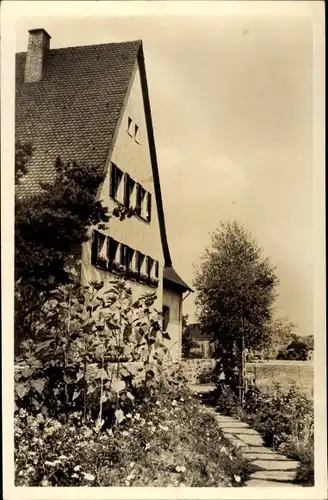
{"x": 73, "y": 110}
{"x": 172, "y": 280}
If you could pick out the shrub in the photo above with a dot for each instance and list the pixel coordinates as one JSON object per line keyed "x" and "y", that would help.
{"x": 207, "y": 376}
{"x": 227, "y": 402}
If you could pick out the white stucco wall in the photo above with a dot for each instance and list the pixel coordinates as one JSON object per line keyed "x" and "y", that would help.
{"x": 173, "y": 300}
{"x": 132, "y": 158}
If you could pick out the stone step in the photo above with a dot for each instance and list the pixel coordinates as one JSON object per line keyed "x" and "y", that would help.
{"x": 235, "y": 424}
{"x": 262, "y": 456}
{"x": 276, "y": 465}
{"x": 239, "y": 430}
{"x": 251, "y": 439}
{"x": 274, "y": 475}
{"x": 268, "y": 484}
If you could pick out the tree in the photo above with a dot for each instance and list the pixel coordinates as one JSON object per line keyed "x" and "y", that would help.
{"x": 236, "y": 288}
{"x": 47, "y": 227}
{"x": 296, "y": 350}
{"x": 187, "y": 341}
{"x": 280, "y": 332}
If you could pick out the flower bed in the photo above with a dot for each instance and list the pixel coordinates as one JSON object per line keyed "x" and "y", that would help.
{"x": 158, "y": 443}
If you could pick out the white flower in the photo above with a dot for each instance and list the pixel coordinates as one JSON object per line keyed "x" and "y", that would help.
{"x": 164, "y": 427}
{"x": 128, "y": 415}
{"x": 181, "y": 399}
{"x": 132, "y": 464}
{"x": 75, "y": 475}
{"x": 125, "y": 433}
{"x": 174, "y": 403}
{"x": 88, "y": 477}
{"x": 180, "y": 468}
{"x": 77, "y": 468}
{"x": 237, "y": 479}
{"x": 137, "y": 416}
{"x": 158, "y": 403}
{"x": 147, "y": 446}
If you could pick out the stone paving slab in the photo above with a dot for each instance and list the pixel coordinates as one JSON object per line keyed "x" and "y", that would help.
{"x": 251, "y": 439}
{"x": 258, "y": 449}
{"x": 258, "y": 455}
{"x": 239, "y": 430}
{"x": 268, "y": 484}
{"x": 278, "y": 465}
{"x": 277, "y": 475}
{"x": 234, "y": 425}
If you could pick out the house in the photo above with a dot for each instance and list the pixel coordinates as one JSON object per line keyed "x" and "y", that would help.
{"x": 90, "y": 104}
{"x": 205, "y": 348}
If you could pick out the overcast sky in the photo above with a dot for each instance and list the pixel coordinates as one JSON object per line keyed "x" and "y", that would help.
{"x": 231, "y": 101}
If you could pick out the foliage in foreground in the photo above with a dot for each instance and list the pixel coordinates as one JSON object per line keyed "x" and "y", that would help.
{"x": 158, "y": 443}
{"x": 285, "y": 421}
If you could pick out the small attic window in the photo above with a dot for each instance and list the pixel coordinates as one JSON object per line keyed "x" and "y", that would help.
{"x": 137, "y": 134}
{"x": 130, "y": 127}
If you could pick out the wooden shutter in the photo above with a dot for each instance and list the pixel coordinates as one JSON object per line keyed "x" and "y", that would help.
{"x": 113, "y": 181}
{"x": 148, "y": 207}
{"x": 94, "y": 247}
{"x": 138, "y": 204}
{"x": 127, "y": 180}
{"x": 156, "y": 269}
{"x": 122, "y": 254}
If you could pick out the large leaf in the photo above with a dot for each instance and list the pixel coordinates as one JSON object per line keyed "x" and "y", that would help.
{"x": 118, "y": 385}
{"x": 44, "y": 345}
{"x": 38, "y": 384}
{"x": 21, "y": 390}
{"x": 119, "y": 415}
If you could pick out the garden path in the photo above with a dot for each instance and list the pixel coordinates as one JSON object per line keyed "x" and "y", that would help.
{"x": 273, "y": 469}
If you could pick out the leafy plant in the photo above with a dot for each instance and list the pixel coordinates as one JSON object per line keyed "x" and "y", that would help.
{"x": 85, "y": 335}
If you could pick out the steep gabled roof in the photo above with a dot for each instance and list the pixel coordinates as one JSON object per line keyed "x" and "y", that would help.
{"x": 172, "y": 280}
{"x": 74, "y": 110}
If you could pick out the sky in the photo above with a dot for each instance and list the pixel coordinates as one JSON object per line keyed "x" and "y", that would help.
{"x": 231, "y": 100}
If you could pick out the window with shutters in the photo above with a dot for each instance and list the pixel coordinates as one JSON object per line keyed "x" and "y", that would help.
{"x": 150, "y": 265}
{"x": 129, "y": 254}
{"x": 112, "y": 250}
{"x": 129, "y": 192}
{"x": 116, "y": 188}
{"x": 122, "y": 254}
{"x": 99, "y": 250}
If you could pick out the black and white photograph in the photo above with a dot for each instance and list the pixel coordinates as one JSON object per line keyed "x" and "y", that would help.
{"x": 163, "y": 249}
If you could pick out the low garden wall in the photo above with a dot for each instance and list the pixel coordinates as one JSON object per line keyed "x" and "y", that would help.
{"x": 193, "y": 368}
{"x": 286, "y": 373}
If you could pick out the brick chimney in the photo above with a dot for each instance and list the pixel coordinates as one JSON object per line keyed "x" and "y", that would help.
{"x": 37, "y": 53}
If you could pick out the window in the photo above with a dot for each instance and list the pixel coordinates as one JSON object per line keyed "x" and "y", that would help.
{"x": 122, "y": 254}
{"x": 140, "y": 262}
{"x": 141, "y": 193}
{"x": 112, "y": 250}
{"x": 150, "y": 264}
{"x": 137, "y": 134}
{"x": 129, "y": 253}
{"x": 116, "y": 189}
{"x": 166, "y": 317}
{"x": 130, "y": 127}
{"x": 129, "y": 192}
{"x": 99, "y": 250}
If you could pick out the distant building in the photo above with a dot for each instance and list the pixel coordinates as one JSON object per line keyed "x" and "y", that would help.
{"x": 205, "y": 348}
